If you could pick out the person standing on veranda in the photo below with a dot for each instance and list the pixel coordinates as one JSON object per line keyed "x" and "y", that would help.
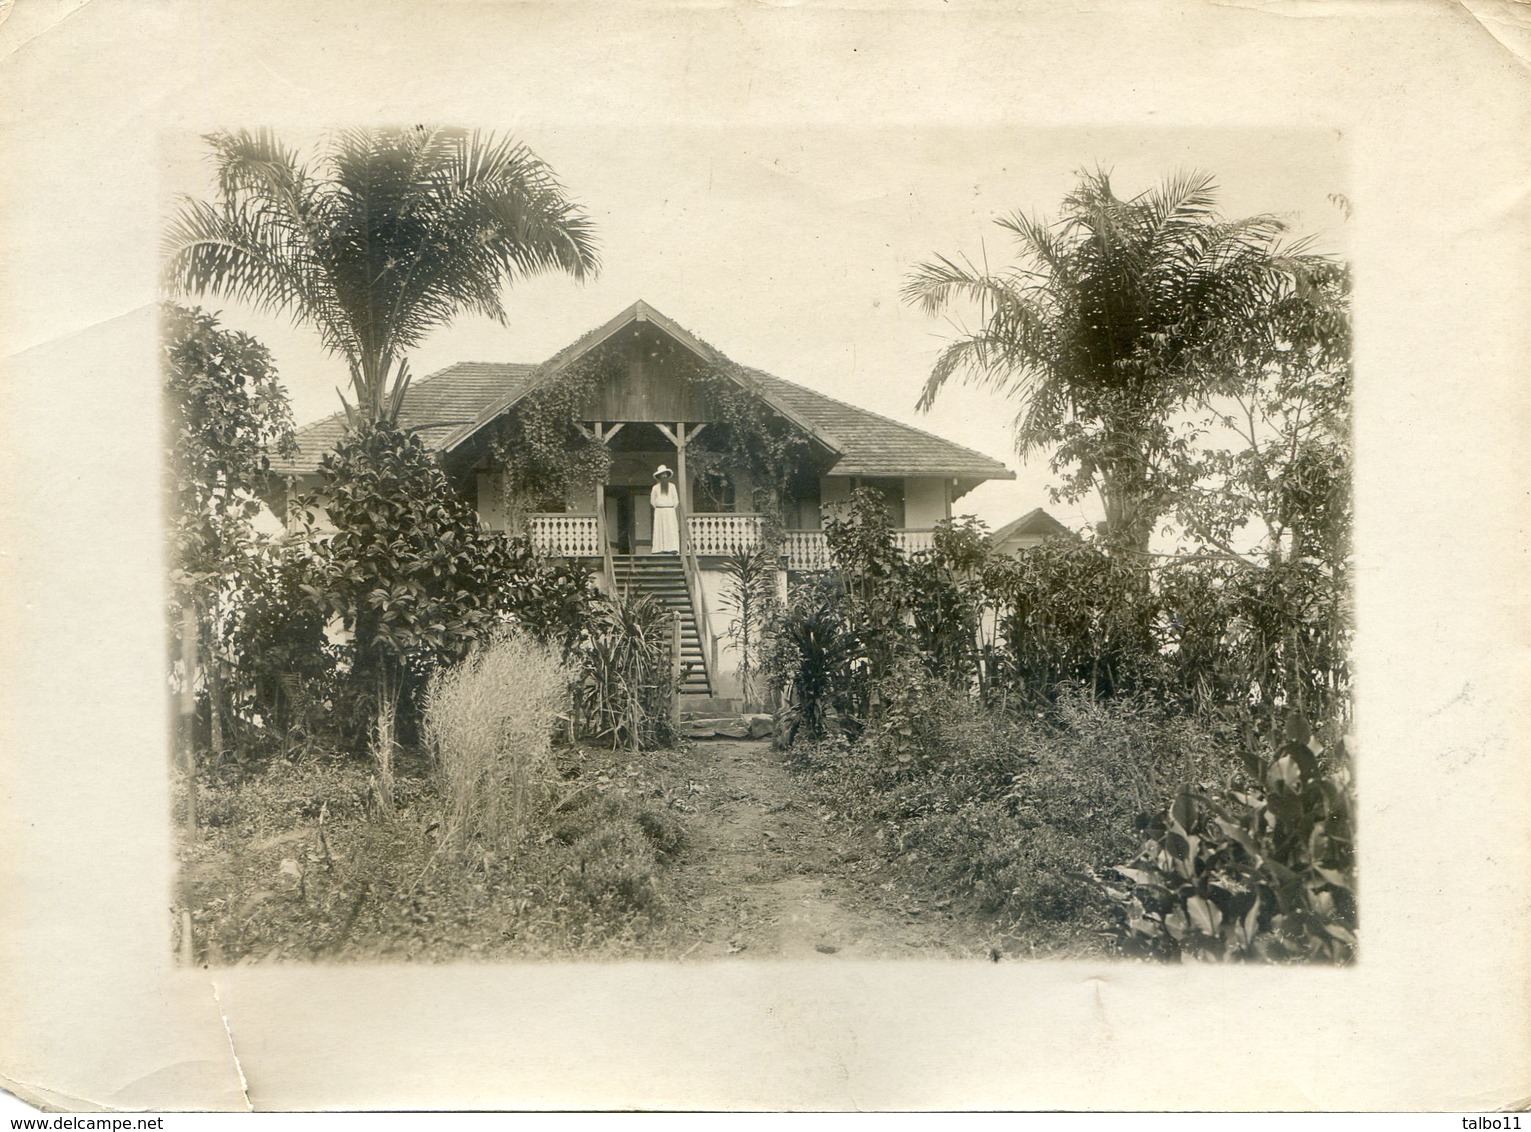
{"x": 664, "y": 498}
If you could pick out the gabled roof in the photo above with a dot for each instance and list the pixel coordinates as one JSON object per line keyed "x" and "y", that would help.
{"x": 1034, "y": 522}
{"x": 435, "y": 408}
{"x": 449, "y": 407}
{"x": 640, "y": 311}
{"x": 875, "y": 445}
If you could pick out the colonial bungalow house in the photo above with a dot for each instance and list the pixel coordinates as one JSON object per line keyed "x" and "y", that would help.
{"x": 661, "y": 396}
{"x": 1031, "y": 529}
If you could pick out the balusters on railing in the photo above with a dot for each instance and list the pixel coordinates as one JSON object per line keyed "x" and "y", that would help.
{"x": 809, "y": 551}
{"x": 913, "y": 542}
{"x": 806, "y": 550}
{"x": 556, "y": 532}
{"x": 724, "y": 532}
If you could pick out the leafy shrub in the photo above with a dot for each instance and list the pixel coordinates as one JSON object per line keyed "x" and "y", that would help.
{"x": 1264, "y": 872}
{"x": 547, "y": 598}
{"x": 873, "y": 575}
{"x": 817, "y": 665}
{"x": 1258, "y": 644}
{"x": 409, "y": 572}
{"x": 284, "y": 670}
{"x": 1070, "y": 614}
{"x": 626, "y": 688}
{"x": 947, "y": 599}
{"x": 226, "y": 415}
{"x": 1011, "y": 810}
{"x": 489, "y": 720}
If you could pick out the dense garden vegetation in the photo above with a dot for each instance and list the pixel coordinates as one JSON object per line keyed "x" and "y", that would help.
{"x": 1093, "y": 739}
{"x": 386, "y": 686}
{"x": 1076, "y": 747}
{"x": 403, "y": 735}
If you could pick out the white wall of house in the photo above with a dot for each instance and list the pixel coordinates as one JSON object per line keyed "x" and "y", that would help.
{"x": 1017, "y": 543}
{"x": 927, "y": 501}
{"x": 725, "y": 673}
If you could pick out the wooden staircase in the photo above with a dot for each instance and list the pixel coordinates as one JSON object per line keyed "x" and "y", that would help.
{"x": 663, "y": 577}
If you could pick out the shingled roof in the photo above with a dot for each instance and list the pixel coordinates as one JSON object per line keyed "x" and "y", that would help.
{"x": 448, "y": 407}
{"x": 435, "y": 408}
{"x": 874, "y": 445}
{"x": 1034, "y": 522}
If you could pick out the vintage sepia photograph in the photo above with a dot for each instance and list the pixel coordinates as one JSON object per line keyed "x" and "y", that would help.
{"x": 872, "y": 556}
{"x": 713, "y": 546}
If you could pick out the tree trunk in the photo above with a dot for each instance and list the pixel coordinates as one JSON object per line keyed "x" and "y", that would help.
{"x": 1129, "y": 517}
{"x": 188, "y": 712}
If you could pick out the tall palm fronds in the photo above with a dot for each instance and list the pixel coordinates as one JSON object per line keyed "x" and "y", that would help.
{"x": 386, "y": 236}
{"x": 1113, "y": 316}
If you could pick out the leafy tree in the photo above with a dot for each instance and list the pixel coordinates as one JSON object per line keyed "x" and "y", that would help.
{"x": 1070, "y": 615}
{"x": 226, "y": 414}
{"x": 1118, "y": 316}
{"x": 1278, "y": 483}
{"x": 388, "y": 235}
{"x": 412, "y": 576}
{"x": 947, "y": 599}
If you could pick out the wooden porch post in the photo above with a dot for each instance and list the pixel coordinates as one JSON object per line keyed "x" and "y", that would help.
{"x": 680, "y": 438}
{"x": 680, "y": 466}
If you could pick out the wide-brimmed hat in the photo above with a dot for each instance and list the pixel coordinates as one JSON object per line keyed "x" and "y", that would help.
{"x": 662, "y": 470}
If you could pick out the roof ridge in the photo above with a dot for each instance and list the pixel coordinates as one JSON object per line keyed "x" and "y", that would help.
{"x": 871, "y": 413}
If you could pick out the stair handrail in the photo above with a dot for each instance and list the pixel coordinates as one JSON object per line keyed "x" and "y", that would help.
{"x": 609, "y": 575}
{"x": 694, "y": 590}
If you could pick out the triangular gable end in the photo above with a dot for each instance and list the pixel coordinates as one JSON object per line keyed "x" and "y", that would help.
{"x": 638, "y": 313}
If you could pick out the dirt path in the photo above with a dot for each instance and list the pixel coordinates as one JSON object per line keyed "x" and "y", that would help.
{"x": 766, "y": 874}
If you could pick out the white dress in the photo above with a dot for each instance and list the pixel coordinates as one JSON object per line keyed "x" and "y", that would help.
{"x": 665, "y": 499}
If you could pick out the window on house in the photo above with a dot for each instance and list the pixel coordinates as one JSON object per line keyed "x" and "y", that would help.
{"x": 710, "y": 494}
{"x": 892, "y": 492}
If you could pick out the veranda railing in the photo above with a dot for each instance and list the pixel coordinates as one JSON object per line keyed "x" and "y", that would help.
{"x": 567, "y": 534}
{"x": 724, "y": 532}
{"x": 809, "y": 550}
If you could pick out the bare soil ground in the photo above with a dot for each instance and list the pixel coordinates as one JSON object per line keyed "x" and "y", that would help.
{"x": 733, "y": 861}
{"x": 768, "y": 874}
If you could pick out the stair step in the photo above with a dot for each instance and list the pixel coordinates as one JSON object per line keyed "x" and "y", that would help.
{"x": 663, "y": 579}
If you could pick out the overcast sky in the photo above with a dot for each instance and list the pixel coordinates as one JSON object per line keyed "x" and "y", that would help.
{"x": 786, "y": 249}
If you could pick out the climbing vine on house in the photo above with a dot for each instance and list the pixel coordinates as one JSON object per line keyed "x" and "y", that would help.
{"x": 545, "y": 456}
{"x": 748, "y": 434}
{"x": 548, "y": 458}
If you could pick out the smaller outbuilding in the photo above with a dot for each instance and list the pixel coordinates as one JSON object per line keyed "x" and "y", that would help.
{"x": 1031, "y": 529}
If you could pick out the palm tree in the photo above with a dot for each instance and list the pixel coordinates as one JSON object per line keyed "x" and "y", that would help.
{"x": 1116, "y": 316}
{"x": 391, "y": 234}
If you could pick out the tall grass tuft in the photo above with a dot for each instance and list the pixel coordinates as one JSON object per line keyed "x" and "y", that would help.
{"x": 489, "y": 721}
